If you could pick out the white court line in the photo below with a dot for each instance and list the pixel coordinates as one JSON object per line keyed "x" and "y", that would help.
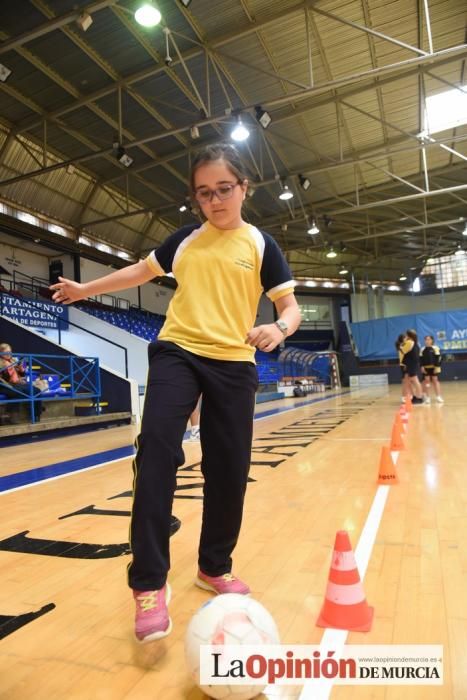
{"x": 62, "y": 476}
{"x": 307, "y": 404}
{"x": 377, "y": 439}
{"x": 335, "y": 639}
{"x": 103, "y": 464}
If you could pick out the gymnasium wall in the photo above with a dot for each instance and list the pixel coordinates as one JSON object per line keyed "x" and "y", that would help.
{"x": 402, "y": 304}
{"x": 14, "y": 258}
{"x": 375, "y": 339}
{"x": 153, "y": 297}
{"x": 34, "y": 264}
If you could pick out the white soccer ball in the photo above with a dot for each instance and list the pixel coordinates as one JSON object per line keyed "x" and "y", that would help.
{"x": 225, "y": 620}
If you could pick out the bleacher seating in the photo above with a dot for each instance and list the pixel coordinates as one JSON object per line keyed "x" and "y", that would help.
{"x": 56, "y": 388}
{"x": 267, "y": 366}
{"x": 144, "y": 324}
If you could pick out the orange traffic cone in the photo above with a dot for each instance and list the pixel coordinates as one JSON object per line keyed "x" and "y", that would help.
{"x": 399, "y": 424}
{"x": 408, "y": 404}
{"x": 345, "y": 605}
{"x": 404, "y": 418}
{"x": 397, "y": 443}
{"x": 387, "y": 469}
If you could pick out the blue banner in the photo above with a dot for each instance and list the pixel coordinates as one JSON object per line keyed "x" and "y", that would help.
{"x": 375, "y": 340}
{"x": 34, "y": 313}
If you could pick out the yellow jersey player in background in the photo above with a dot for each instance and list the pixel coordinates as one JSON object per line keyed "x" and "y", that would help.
{"x": 410, "y": 351}
{"x": 430, "y": 360}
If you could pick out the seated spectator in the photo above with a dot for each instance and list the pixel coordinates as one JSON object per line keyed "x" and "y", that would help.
{"x": 13, "y": 381}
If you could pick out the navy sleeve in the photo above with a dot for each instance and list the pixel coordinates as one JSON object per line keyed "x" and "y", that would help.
{"x": 165, "y": 253}
{"x": 275, "y": 272}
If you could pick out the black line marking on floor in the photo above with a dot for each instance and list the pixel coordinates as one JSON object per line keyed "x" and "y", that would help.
{"x": 12, "y": 623}
{"x": 57, "y": 548}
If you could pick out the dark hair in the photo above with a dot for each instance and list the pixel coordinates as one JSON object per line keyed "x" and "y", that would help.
{"x": 412, "y": 335}
{"x": 400, "y": 340}
{"x": 219, "y": 151}
{"x": 430, "y": 336}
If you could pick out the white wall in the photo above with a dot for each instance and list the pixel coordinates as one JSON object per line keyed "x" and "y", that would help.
{"x": 156, "y": 298}
{"x": 82, "y": 343}
{"x": 34, "y": 264}
{"x": 153, "y": 297}
{"x": 91, "y": 270}
{"x": 400, "y": 305}
{"x": 13, "y": 257}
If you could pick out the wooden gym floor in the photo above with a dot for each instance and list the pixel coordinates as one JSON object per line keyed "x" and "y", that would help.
{"x": 66, "y": 613}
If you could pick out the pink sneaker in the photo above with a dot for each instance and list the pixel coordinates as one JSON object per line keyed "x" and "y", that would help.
{"x": 152, "y": 619}
{"x": 227, "y": 583}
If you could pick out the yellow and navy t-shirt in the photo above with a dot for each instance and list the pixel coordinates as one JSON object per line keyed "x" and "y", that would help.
{"x": 406, "y": 351}
{"x": 430, "y": 357}
{"x": 410, "y": 359}
{"x": 221, "y": 276}
{"x": 401, "y": 356}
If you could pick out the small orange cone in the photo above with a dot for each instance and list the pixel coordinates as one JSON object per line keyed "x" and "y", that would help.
{"x": 387, "y": 470}
{"x": 345, "y": 605}
{"x": 408, "y": 404}
{"x": 404, "y": 416}
{"x": 397, "y": 443}
{"x": 399, "y": 424}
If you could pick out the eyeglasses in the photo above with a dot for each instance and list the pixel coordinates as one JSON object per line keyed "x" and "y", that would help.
{"x": 205, "y": 195}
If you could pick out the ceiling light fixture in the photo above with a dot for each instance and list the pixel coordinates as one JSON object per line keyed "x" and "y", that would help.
{"x": 239, "y": 132}
{"x": 331, "y": 253}
{"x": 148, "y": 15}
{"x": 313, "y": 229}
{"x": 286, "y": 193}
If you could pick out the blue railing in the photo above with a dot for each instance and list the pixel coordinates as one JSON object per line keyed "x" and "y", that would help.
{"x": 67, "y": 377}
{"x": 59, "y": 321}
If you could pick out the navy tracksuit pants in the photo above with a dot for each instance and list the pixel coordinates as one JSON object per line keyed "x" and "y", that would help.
{"x": 176, "y": 379}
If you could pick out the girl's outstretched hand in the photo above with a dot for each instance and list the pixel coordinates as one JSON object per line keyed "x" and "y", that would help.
{"x": 67, "y": 291}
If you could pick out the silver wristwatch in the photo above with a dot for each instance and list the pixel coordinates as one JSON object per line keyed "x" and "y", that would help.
{"x": 282, "y": 326}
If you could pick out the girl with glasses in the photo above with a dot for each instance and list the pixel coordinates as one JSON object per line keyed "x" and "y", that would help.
{"x": 206, "y": 346}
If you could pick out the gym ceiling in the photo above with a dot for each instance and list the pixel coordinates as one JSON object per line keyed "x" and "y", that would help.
{"x": 100, "y": 118}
